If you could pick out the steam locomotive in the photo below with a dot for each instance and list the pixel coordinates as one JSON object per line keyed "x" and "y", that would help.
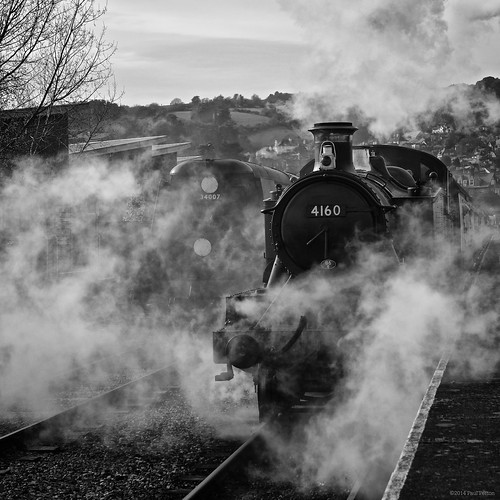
{"x": 218, "y": 241}
{"x": 347, "y": 199}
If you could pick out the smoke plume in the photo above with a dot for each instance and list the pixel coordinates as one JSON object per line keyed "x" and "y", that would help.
{"x": 94, "y": 259}
{"x": 390, "y": 62}
{"x": 391, "y": 323}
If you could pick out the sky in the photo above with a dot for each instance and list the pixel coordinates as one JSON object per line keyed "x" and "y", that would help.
{"x": 179, "y": 49}
{"x": 383, "y": 55}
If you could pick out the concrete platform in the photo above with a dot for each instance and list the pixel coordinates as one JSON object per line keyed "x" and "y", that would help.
{"x": 458, "y": 453}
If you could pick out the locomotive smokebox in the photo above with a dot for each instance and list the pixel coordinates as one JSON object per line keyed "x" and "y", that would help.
{"x": 333, "y": 146}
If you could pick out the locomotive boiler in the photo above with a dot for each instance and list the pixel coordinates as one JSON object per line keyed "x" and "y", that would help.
{"x": 346, "y": 199}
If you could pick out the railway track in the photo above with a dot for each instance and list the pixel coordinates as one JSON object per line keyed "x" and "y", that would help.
{"x": 140, "y": 440}
{"x": 47, "y": 449}
{"x": 257, "y": 486}
{"x": 69, "y": 388}
{"x": 250, "y": 471}
{"x": 136, "y": 392}
{"x": 121, "y": 466}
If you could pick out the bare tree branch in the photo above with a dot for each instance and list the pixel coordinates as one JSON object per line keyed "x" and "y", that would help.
{"x": 52, "y": 52}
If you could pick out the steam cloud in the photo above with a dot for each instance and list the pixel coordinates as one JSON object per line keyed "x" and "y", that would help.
{"x": 46, "y": 323}
{"x": 391, "y": 61}
{"x": 91, "y": 260}
{"x": 392, "y": 323}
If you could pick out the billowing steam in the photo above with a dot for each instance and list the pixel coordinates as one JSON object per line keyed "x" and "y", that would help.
{"x": 389, "y": 64}
{"x": 51, "y": 261}
{"x": 94, "y": 261}
{"x": 392, "y": 323}
{"x": 389, "y": 61}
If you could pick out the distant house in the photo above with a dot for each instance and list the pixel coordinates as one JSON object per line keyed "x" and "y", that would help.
{"x": 289, "y": 153}
{"x": 441, "y": 129}
{"x": 483, "y": 186}
{"x": 414, "y": 140}
{"x": 474, "y": 176}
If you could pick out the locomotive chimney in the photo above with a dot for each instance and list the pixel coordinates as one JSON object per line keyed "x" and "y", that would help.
{"x": 333, "y": 146}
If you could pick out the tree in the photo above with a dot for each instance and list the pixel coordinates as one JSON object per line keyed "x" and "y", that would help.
{"x": 51, "y": 55}
{"x": 176, "y": 131}
{"x": 91, "y": 118}
{"x": 490, "y": 84}
{"x": 256, "y": 101}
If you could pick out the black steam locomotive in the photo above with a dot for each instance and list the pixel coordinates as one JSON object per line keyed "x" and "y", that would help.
{"x": 346, "y": 199}
{"x": 219, "y": 240}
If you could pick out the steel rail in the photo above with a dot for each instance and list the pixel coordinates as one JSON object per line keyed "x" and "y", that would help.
{"x": 114, "y": 397}
{"x": 211, "y": 482}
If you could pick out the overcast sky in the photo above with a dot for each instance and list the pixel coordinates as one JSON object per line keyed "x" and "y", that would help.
{"x": 182, "y": 48}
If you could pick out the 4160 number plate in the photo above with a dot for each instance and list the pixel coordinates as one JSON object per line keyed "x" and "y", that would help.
{"x": 317, "y": 211}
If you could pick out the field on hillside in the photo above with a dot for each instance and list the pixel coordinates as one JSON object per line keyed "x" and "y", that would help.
{"x": 241, "y": 119}
{"x": 183, "y": 115}
{"x": 264, "y": 133}
{"x": 249, "y": 119}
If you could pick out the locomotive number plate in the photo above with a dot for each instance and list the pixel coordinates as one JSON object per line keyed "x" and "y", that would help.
{"x": 317, "y": 211}
{"x": 210, "y": 196}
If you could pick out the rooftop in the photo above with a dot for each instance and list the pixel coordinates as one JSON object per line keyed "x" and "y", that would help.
{"x": 157, "y": 143}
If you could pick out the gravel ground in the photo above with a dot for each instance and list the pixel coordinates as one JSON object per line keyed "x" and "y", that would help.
{"x": 271, "y": 478}
{"x": 141, "y": 454}
{"x": 262, "y": 487}
{"x": 137, "y": 456}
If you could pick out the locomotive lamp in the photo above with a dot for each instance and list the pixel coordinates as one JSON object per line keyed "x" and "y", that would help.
{"x": 327, "y": 161}
{"x": 333, "y": 146}
{"x": 202, "y": 247}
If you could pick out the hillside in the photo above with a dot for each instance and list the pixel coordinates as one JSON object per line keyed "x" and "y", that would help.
{"x": 240, "y": 118}
{"x": 240, "y": 127}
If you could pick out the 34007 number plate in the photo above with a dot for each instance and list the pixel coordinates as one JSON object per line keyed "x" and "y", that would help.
{"x": 318, "y": 211}
{"x": 210, "y": 196}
